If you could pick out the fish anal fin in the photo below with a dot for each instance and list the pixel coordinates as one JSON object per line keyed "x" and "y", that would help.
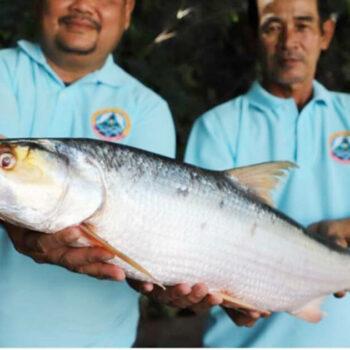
{"x": 311, "y": 312}
{"x": 99, "y": 242}
{"x": 230, "y": 301}
{"x": 262, "y": 178}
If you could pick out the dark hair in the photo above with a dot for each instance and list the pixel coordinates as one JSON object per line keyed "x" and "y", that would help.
{"x": 324, "y": 10}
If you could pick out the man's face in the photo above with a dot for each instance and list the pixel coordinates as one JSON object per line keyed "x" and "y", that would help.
{"x": 291, "y": 40}
{"x": 84, "y": 26}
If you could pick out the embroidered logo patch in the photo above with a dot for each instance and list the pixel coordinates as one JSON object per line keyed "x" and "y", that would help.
{"x": 111, "y": 124}
{"x": 340, "y": 146}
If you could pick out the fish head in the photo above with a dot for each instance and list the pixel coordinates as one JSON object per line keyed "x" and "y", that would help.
{"x": 45, "y": 185}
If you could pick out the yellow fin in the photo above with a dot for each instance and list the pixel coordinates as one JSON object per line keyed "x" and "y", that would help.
{"x": 232, "y": 302}
{"x": 98, "y": 241}
{"x": 261, "y": 178}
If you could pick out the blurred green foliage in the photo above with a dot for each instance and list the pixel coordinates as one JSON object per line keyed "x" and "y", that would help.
{"x": 207, "y": 58}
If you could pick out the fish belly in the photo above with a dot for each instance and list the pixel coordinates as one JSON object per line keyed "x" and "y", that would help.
{"x": 232, "y": 246}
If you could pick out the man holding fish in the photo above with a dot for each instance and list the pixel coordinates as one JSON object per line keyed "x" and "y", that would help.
{"x": 287, "y": 115}
{"x": 76, "y": 39}
{"x": 67, "y": 85}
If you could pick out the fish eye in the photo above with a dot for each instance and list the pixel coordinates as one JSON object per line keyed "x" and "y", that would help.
{"x": 7, "y": 161}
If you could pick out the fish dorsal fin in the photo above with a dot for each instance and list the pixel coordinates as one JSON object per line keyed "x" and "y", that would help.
{"x": 262, "y": 178}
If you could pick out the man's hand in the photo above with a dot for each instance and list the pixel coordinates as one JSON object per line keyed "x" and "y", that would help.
{"x": 244, "y": 318}
{"x": 339, "y": 230}
{"x": 181, "y": 295}
{"x": 56, "y": 249}
{"x": 196, "y": 299}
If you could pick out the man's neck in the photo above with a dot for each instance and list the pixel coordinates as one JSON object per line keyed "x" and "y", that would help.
{"x": 300, "y": 92}
{"x": 71, "y": 68}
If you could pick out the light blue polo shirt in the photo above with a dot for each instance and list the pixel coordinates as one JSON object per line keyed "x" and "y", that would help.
{"x": 46, "y": 305}
{"x": 259, "y": 127}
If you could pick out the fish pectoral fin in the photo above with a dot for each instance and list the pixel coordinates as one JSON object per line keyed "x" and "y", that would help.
{"x": 311, "y": 312}
{"x": 230, "y": 301}
{"x": 261, "y": 178}
{"x": 98, "y": 241}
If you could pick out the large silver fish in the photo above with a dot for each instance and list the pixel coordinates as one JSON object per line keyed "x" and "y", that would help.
{"x": 169, "y": 223}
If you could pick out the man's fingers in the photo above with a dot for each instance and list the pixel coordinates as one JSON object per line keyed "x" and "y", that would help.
{"x": 241, "y": 319}
{"x": 142, "y": 287}
{"x": 47, "y": 242}
{"x": 342, "y": 242}
{"x": 339, "y": 230}
{"x": 189, "y": 297}
{"x": 178, "y": 295}
{"x": 76, "y": 257}
{"x": 41, "y": 243}
{"x": 198, "y": 293}
{"x": 56, "y": 249}
{"x": 147, "y": 287}
{"x": 184, "y": 296}
{"x": 340, "y": 294}
{"x": 245, "y": 321}
{"x": 88, "y": 260}
{"x": 160, "y": 295}
{"x": 208, "y": 302}
{"x": 28, "y": 242}
{"x": 172, "y": 295}
{"x": 178, "y": 291}
{"x": 103, "y": 271}
{"x": 68, "y": 236}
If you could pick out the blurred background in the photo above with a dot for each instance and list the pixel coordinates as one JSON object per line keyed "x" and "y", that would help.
{"x": 196, "y": 54}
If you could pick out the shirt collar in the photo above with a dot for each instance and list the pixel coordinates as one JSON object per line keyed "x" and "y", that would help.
{"x": 321, "y": 94}
{"x": 33, "y": 50}
{"x": 109, "y": 74}
{"x": 260, "y": 97}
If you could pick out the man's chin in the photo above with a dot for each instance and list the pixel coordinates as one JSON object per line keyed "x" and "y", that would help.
{"x": 290, "y": 79}
{"x": 76, "y": 49}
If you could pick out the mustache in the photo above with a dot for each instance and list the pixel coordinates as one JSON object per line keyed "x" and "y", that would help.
{"x": 290, "y": 55}
{"x": 69, "y": 18}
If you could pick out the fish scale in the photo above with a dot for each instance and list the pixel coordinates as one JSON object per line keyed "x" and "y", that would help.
{"x": 226, "y": 243}
{"x": 177, "y": 223}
